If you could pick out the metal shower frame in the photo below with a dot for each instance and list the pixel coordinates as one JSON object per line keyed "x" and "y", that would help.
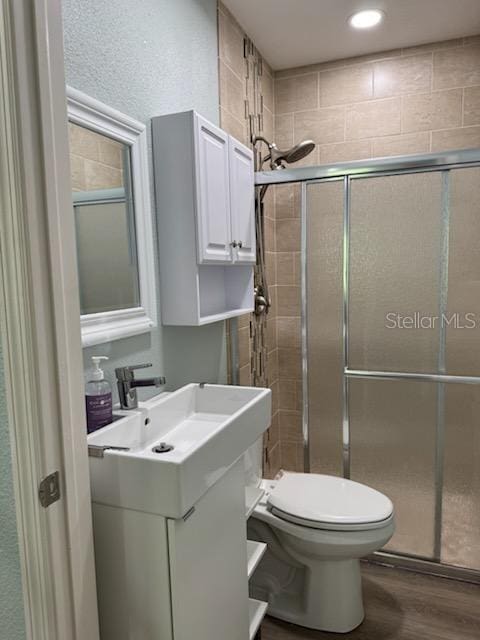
{"x": 347, "y": 172}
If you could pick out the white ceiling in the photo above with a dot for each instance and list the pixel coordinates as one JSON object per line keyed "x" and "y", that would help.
{"x": 292, "y": 33}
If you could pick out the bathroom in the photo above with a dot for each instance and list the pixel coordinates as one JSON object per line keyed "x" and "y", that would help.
{"x": 337, "y": 347}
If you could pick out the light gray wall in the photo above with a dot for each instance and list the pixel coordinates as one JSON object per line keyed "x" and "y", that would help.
{"x": 12, "y": 625}
{"x": 147, "y": 58}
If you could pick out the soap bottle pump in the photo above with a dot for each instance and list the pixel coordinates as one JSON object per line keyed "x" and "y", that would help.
{"x": 98, "y": 397}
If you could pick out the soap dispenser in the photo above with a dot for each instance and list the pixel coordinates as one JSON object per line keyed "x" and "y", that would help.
{"x": 98, "y": 397}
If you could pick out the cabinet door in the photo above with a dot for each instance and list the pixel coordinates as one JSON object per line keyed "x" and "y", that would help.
{"x": 133, "y": 579}
{"x": 208, "y": 564}
{"x": 242, "y": 201}
{"x": 213, "y": 193}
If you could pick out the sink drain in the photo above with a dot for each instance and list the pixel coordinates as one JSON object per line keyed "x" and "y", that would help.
{"x": 163, "y": 447}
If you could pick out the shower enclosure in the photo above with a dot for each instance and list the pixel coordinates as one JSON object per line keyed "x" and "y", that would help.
{"x": 391, "y": 343}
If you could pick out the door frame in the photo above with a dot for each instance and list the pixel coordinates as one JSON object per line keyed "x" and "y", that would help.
{"x": 41, "y": 326}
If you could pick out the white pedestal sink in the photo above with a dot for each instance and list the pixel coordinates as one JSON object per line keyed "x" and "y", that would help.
{"x": 209, "y": 428}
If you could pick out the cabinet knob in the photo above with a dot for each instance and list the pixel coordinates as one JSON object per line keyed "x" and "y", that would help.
{"x": 233, "y": 244}
{"x": 240, "y": 244}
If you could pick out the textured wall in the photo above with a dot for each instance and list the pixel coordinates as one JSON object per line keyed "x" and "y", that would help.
{"x": 145, "y": 59}
{"x": 400, "y": 102}
{"x": 11, "y": 597}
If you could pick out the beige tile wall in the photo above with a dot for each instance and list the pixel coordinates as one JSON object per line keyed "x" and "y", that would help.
{"x": 287, "y": 295}
{"x": 96, "y": 161}
{"x": 413, "y": 100}
{"x": 234, "y": 91}
{"x": 398, "y": 102}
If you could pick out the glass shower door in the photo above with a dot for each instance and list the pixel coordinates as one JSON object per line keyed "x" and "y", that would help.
{"x": 392, "y": 273}
{"x": 460, "y": 518}
{"x": 324, "y": 324}
{"x": 395, "y": 254}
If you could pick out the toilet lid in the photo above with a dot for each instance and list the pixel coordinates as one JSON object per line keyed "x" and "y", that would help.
{"x": 328, "y": 499}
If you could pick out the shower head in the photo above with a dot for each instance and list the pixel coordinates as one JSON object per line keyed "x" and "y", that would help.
{"x": 278, "y": 156}
{"x": 300, "y": 151}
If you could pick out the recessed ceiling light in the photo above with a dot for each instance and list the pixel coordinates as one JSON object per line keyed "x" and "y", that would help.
{"x": 366, "y": 19}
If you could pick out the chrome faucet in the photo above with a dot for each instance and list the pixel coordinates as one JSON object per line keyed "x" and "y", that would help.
{"x": 127, "y": 384}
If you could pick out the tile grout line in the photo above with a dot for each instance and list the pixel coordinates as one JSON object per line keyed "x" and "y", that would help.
{"x": 396, "y": 96}
{"x": 404, "y": 53}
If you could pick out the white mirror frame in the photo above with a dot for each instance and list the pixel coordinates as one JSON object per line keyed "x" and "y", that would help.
{"x": 103, "y": 327}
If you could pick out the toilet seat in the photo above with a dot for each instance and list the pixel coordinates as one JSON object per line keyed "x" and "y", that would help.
{"x": 328, "y": 502}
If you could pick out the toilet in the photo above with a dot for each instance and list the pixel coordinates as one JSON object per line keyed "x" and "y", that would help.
{"x": 317, "y": 527}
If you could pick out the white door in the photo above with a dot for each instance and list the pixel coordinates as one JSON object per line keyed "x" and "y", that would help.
{"x": 41, "y": 329}
{"x": 213, "y": 193}
{"x": 242, "y": 201}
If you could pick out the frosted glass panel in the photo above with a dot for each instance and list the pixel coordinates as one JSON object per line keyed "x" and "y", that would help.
{"x": 393, "y": 432}
{"x": 395, "y": 244}
{"x": 463, "y": 344}
{"x": 107, "y": 263}
{"x": 407, "y": 234}
{"x": 461, "y": 495}
{"x": 324, "y": 321}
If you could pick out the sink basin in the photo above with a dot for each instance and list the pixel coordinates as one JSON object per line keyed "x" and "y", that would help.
{"x": 208, "y": 427}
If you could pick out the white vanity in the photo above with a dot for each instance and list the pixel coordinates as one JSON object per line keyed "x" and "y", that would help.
{"x": 170, "y": 532}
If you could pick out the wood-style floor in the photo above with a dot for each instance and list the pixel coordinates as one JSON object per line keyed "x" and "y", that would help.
{"x": 402, "y": 605}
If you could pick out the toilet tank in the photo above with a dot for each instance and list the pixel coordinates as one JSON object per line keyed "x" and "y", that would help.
{"x": 253, "y": 460}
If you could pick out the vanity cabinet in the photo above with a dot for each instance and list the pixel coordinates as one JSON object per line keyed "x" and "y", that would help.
{"x": 204, "y": 186}
{"x": 175, "y": 579}
{"x": 208, "y": 565}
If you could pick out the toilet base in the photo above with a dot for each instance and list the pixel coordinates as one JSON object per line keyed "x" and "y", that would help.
{"x": 330, "y": 601}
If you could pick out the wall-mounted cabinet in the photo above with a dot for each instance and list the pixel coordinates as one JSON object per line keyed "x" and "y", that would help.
{"x": 204, "y": 186}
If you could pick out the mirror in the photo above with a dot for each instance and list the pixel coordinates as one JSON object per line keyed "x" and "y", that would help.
{"x": 104, "y": 222}
{"x": 112, "y": 220}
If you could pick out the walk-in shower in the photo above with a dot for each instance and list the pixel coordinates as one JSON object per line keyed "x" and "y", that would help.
{"x": 391, "y": 343}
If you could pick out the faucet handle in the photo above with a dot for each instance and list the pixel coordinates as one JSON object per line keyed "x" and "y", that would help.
{"x": 145, "y": 365}
{"x": 126, "y": 373}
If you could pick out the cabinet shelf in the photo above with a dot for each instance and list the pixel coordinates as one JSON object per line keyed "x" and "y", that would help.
{"x": 256, "y": 612}
{"x": 255, "y": 552}
{"x": 253, "y": 495}
{"x": 224, "y": 315}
